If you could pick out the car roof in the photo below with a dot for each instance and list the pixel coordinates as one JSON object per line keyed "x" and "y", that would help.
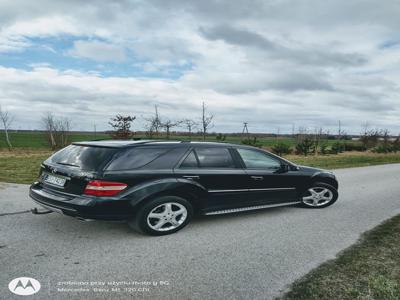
{"x": 133, "y": 143}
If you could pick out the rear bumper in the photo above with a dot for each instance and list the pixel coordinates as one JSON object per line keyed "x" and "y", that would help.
{"x": 82, "y": 207}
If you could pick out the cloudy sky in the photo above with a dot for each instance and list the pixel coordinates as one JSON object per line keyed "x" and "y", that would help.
{"x": 272, "y": 63}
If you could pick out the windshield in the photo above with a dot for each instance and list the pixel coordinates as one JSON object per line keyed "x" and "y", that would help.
{"x": 82, "y": 157}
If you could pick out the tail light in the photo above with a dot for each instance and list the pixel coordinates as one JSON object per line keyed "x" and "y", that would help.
{"x": 104, "y": 188}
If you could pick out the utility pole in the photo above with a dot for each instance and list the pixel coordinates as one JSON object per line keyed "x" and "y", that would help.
{"x": 245, "y": 130}
{"x": 95, "y": 131}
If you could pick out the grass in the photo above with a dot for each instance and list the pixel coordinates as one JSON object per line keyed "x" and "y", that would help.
{"x": 370, "y": 269}
{"x": 345, "y": 160}
{"x": 37, "y": 140}
{"x": 21, "y": 166}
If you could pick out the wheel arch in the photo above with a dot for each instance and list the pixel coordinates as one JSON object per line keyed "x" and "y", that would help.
{"x": 325, "y": 178}
{"x": 191, "y": 191}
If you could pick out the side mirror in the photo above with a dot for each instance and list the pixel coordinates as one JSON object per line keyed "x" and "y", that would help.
{"x": 283, "y": 169}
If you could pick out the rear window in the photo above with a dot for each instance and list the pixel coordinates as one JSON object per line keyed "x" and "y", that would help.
{"x": 83, "y": 157}
{"x": 136, "y": 158}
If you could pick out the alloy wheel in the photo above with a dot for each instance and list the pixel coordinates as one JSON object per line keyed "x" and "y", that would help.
{"x": 167, "y": 216}
{"x": 317, "y": 196}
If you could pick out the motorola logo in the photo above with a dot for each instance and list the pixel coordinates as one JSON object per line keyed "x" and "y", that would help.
{"x": 24, "y": 286}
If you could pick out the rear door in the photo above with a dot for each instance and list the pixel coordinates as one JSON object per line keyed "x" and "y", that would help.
{"x": 216, "y": 170}
{"x": 266, "y": 180}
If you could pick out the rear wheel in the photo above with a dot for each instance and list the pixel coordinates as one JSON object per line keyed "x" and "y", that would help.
{"x": 319, "y": 195}
{"x": 163, "y": 215}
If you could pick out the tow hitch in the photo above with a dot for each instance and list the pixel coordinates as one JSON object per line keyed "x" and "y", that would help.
{"x": 35, "y": 211}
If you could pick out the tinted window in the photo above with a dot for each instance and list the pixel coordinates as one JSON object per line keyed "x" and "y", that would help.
{"x": 86, "y": 158}
{"x": 135, "y": 158}
{"x": 258, "y": 160}
{"x": 214, "y": 158}
{"x": 190, "y": 161}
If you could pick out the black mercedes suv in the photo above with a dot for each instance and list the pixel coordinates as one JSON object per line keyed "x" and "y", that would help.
{"x": 157, "y": 186}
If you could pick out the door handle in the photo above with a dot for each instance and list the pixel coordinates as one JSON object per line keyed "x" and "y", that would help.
{"x": 257, "y": 177}
{"x": 191, "y": 177}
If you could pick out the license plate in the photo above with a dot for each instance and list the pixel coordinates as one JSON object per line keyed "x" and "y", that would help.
{"x": 54, "y": 180}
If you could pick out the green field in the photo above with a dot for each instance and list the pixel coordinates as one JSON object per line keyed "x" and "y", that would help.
{"x": 37, "y": 140}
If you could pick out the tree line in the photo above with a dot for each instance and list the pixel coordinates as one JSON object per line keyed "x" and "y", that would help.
{"x": 57, "y": 131}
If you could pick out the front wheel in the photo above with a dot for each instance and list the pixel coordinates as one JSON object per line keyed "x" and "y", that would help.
{"x": 163, "y": 215}
{"x": 319, "y": 195}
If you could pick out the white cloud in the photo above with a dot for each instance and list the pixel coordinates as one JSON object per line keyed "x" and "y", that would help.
{"x": 272, "y": 63}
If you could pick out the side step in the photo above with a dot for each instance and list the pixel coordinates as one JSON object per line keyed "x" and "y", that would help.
{"x": 233, "y": 210}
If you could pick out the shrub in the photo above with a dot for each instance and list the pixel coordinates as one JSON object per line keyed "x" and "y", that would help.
{"x": 383, "y": 148}
{"x": 354, "y": 147}
{"x": 281, "y": 149}
{"x": 387, "y": 147}
{"x": 221, "y": 137}
{"x": 252, "y": 142}
{"x": 323, "y": 148}
{"x": 337, "y": 148}
{"x": 305, "y": 146}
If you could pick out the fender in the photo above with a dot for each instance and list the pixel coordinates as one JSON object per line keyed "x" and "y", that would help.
{"x": 324, "y": 176}
{"x": 171, "y": 185}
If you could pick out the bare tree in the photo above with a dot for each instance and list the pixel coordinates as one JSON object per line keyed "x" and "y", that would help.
{"x": 168, "y": 124}
{"x": 190, "y": 125}
{"x": 317, "y": 139}
{"x": 122, "y": 126}
{"x": 6, "y": 120}
{"x": 48, "y": 121}
{"x": 206, "y": 120}
{"x": 63, "y": 126}
{"x": 57, "y": 130}
{"x": 153, "y": 123}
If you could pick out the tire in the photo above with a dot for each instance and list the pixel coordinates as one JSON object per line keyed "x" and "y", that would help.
{"x": 171, "y": 212}
{"x": 319, "y": 195}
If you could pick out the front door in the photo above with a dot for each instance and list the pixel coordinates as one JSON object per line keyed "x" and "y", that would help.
{"x": 266, "y": 180}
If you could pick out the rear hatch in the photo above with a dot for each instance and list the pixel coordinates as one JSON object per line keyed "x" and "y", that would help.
{"x": 69, "y": 169}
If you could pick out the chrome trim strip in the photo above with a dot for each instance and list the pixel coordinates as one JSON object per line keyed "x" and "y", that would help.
{"x": 273, "y": 189}
{"x": 227, "y": 191}
{"x": 251, "y": 190}
{"x": 233, "y": 210}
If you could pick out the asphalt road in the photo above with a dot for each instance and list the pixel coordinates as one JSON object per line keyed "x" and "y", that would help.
{"x": 252, "y": 255}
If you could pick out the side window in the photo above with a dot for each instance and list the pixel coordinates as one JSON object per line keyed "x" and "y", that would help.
{"x": 135, "y": 158}
{"x": 214, "y": 157}
{"x": 258, "y": 160}
{"x": 190, "y": 161}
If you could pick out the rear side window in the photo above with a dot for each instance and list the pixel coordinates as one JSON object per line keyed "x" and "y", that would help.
{"x": 136, "y": 158}
{"x": 190, "y": 161}
{"x": 83, "y": 157}
{"x": 215, "y": 157}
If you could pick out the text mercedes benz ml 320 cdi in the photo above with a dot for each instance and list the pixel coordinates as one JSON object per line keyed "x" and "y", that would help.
{"x": 157, "y": 186}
